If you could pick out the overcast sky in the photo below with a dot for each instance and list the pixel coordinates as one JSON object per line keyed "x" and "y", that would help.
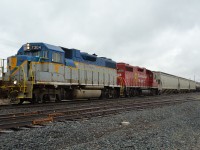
{"x": 160, "y": 35}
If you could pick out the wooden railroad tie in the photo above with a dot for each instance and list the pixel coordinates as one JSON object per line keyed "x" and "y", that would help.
{"x": 42, "y": 120}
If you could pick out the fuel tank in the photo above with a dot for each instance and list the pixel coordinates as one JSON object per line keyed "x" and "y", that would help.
{"x": 84, "y": 94}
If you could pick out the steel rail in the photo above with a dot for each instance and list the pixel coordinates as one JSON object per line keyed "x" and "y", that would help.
{"x": 71, "y": 102}
{"x": 26, "y": 119}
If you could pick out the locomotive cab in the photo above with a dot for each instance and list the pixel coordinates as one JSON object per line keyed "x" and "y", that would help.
{"x": 45, "y": 52}
{"x": 23, "y": 68}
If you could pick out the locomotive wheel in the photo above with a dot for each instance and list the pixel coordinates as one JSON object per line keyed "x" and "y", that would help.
{"x": 127, "y": 94}
{"x": 45, "y": 98}
{"x": 131, "y": 93}
{"x": 115, "y": 94}
{"x": 33, "y": 100}
{"x": 136, "y": 92}
{"x": 57, "y": 98}
{"x": 36, "y": 99}
{"x": 21, "y": 101}
{"x": 102, "y": 94}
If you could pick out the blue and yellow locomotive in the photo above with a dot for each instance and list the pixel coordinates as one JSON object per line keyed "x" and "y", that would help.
{"x": 42, "y": 72}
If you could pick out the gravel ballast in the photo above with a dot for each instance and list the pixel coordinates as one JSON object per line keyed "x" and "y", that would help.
{"x": 169, "y": 127}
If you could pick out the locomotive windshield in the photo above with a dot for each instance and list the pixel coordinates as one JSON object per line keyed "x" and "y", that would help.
{"x": 33, "y": 50}
{"x": 43, "y": 54}
{"x": 32, "y": 53}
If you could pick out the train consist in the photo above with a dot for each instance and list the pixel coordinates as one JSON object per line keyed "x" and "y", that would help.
{"x": 41, "y": 72}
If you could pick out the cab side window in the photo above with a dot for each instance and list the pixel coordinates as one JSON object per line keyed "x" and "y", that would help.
{"x": 45, "y": 54}
{"x": 37, "y": 53}
{"x": 56, "y": 57}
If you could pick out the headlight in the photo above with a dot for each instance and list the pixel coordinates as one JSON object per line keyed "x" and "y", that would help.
{"x": 15, "y": 82}
{"x": 27, "y": 46}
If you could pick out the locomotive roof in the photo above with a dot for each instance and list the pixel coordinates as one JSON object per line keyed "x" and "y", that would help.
{"x": 73, "y": 54}
{"x": 93, "y": 59}
{"x": 172, "y": 75}
{"x": 48, "y": 46}
{"x": 52, "y": 47}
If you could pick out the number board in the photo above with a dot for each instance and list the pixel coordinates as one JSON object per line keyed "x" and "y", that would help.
{"x": 35, "y": 47}
{"x": 32, "y": 48}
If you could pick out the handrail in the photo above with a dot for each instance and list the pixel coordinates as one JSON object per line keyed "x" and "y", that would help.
{"x": 32, "y": 78}
{"x": 24, "y": 78}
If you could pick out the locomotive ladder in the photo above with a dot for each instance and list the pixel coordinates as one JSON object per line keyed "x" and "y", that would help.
{"x": 122, "y": 86}
{"x": 26, "y": 84}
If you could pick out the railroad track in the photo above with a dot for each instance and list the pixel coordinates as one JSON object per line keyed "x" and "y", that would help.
{"x": 14, "y": 121}
{"x": 71, "y": 102}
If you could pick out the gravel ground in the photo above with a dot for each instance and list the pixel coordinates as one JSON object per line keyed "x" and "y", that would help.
{"x": 4, "y": 101}
{"x": 168, "y": 128}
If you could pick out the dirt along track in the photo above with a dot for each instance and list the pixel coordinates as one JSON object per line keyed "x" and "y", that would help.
{"x": 44, "y": 113}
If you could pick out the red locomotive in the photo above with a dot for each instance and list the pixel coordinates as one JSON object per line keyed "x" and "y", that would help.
{"x": 135, "y": 80}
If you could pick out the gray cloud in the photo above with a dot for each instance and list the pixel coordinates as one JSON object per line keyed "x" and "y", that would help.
{"x": 158, "y": 34}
